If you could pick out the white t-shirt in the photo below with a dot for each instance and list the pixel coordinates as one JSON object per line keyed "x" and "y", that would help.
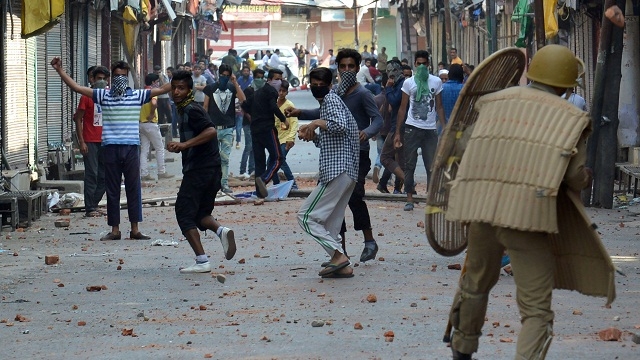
{"x": 314, "y": 50}
{"x": 422, "y": 114}
{"x": 274, "y": 61}
{"x": 576, "y": 100}
{"x": 364, "y": 76}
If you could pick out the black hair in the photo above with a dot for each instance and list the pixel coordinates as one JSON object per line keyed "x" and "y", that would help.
{"x": 422, "y": 54}
{"x": 406, "y": 67}
{"x": 122, "y": 65}
{"x": 101, "y": 70}
{"x": 170, "y": 68}
{"x": 150, "y": 78}
{"x": 442, "y": 63}
{"x": 188, "y": 63}
{"x": 272, "y": 72}
{"x": 453, "y": 49}
{"x": 456, "y": 73}
{"x": 323, "y": 74}
{"x": 90, "y": 70}
{"x": 183, "y": 75}
{"x": 257, "y": 72}
{"x": 157, "y": 67}
{"x": 285, "y": 85}
{"x": 223, "y": 68}
{"x": 348, "y": 53}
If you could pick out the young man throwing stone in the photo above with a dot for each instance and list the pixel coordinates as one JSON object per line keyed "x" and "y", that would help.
{"x": 322, "y": 213}
{"x": 201, "y": 174}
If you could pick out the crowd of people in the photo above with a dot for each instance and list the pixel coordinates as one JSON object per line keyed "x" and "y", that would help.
{"x": 403, "y": 107}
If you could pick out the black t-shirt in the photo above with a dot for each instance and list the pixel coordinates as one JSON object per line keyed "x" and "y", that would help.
{"x": 193, "y": 121}
{"x": 226, "y": 98}
{"x": 264, "y": 107}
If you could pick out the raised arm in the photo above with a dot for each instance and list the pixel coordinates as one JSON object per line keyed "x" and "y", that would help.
{"x": 56, "y": 63}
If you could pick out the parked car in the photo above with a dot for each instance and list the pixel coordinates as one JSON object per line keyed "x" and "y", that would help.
{"x": 257, "y": 52}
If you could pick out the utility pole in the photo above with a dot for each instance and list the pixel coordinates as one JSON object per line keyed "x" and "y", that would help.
{"x": 405, "y": 21}
{"x": 538, "y": 13}
{"x": 374, "y": 32}
{"x": 493, "y": 28}
{"x": 602, "y": 150}
{"x": 447, "y": 31}
{"x": 355, "y": 22}
{"x": 427, "y": 25}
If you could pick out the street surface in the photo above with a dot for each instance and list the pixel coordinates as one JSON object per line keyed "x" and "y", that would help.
{"x": 272, "y": 296}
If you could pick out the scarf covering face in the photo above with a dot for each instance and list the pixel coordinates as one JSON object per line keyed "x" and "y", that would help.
{"x": 276, "y": 84}
{"x": 186, "y": 101}
{"x": 395, "y": 70}
{"x": 100, "y": 84}
{"x": 347, "y": 80}
{"x": 422, "y": 80}
{"x": 319, "y": 92}
{"x": 222, "y": 82}
{"x": 120, "y": 84}
{"x": 258, "y": 83}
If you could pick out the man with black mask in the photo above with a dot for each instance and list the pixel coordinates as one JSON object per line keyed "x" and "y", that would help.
{"x": 219, "y": 101}
{"x": 363, "y": 107}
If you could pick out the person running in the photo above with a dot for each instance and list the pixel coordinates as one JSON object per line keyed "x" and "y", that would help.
{"x": 202, "y": 175}
{"x": 322, "y": 213}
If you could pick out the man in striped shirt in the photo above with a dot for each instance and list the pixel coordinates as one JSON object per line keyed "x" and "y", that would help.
{"x": 120, "y": 140}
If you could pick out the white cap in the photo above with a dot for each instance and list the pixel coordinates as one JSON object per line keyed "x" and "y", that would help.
{"x": 443, "y": 71}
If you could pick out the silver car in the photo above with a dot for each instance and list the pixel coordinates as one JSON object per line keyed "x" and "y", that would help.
{"x": 257, "y": 52}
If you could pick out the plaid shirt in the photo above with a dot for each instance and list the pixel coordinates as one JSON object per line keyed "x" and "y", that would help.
{"x": 339, "y": 144}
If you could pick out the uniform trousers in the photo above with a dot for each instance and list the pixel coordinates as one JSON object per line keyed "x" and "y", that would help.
{"x": 533, "y": 267}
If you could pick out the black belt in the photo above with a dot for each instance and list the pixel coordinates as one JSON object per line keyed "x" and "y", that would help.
{"x": 222, "y": 127}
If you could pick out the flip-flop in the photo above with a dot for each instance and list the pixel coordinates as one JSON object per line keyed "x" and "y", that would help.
{"x": 331, "y": 268}
{"x": 93, "y": 214}
{"x": 337, "y": 275}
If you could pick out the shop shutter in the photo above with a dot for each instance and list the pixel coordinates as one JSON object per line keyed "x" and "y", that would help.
{"x": 94, "y": 30}
{"x": 116, "y": 43}
{"x": 54, "y": 98}
{"x": 42, "y": 80}
{"x": 31, "y": 87}
{"x": 15, "y": 132}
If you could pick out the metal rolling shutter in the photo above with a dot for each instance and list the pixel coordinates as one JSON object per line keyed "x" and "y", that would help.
{"x": 43, "y": 76}
{"x": 53, "y": 86}
{"x": 116, "y": 43}
{"x": 78, "y": 30}
{"x": 15, "y": 132}
{"x": 93, "y": 36}
{"x": 32, "y": 110}
{"x": 67, "y": 105}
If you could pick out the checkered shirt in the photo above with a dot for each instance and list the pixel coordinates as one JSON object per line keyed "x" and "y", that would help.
{"x": 339, "y": 144}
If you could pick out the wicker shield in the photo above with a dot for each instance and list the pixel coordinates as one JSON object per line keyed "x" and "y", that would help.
{"x": 497, "y": 72}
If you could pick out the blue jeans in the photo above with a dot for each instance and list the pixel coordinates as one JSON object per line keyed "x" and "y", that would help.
{"x": 284, "y": 167}
{"x": 94, "y": 186}
{"x": 225, "y": 142}
{"x": 247, "y": 153}
{"x": 379, "y": 144}
{"x": 174, "y": 120}
{"x": 238, "y": 127}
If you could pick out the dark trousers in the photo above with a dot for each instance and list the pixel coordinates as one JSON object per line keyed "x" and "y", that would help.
{"x": 415, "y": 138}
{"x": 285, "y": 167}
{"x": 196, "y": 197}
{"x": 164, "y": 111}
{"x": 122, "y": 160}
{"x": 94, "y": 187}
{"x": 266, "y": 141}
{"x": 361, "y": 218}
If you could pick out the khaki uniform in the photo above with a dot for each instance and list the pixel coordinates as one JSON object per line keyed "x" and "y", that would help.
{"x": 518, "y": 186}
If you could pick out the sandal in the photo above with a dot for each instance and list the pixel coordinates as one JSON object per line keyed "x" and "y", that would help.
{"x": 93, "y": 213}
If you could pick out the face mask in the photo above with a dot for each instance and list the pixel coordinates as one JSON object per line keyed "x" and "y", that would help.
{"x": 276, "y": 84}
{"x": 120, "y": 83}
{"x": 319, "y": 92}
{"x": 394, "y": 71}
{"x": 259, "y": 83}
{"x": 100, "y": 84}
{"x": 222, "y": 82}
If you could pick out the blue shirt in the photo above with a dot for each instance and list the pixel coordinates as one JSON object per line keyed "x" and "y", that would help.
{"x": 450, "y": 92}
{"x": 244, "y": 83}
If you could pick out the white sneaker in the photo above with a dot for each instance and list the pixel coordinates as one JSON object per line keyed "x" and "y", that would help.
{"x": 244, "y": 176}
{"x": 228, "y": 241}
{"x": 197, "y": 268}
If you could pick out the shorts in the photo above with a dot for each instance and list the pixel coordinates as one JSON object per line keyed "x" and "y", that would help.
{"x": 196, "y": 197}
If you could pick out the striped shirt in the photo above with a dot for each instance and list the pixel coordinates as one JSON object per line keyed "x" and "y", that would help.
{"x": 120, "y": 115}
